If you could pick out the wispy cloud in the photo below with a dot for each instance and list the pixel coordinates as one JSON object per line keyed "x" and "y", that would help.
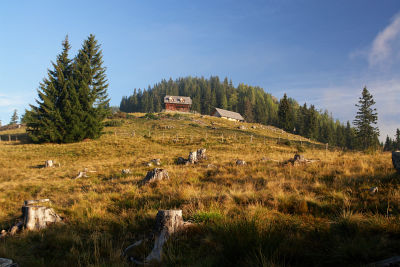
{"x": 382, "y": 50}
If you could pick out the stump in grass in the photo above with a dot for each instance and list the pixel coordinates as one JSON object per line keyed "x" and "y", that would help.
{"x": 168, "y": 222}
{"x": 7, "y": 263}
{"x": 396, "y": 160}
{"x": 37, "y": 217}
{"x": 156, "y": 174}
{"x": 48, "y": 163}
{"x": 193, "y": 157}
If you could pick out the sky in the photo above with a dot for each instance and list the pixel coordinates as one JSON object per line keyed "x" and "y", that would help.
{"x": 319, "y": 52}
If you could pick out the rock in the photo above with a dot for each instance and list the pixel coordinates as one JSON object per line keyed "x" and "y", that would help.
{"x": 126, "y": 171}
{"x": 3, "y": 233}
{"x": 373, "y": 190}
{"x": 254, "y": 127}
{"x": 201, "y": 154}
{"x": 396, "y": 160}
{"x": 155, "y": 175}
{"x": 168, "y": 222}
{"x": 298, "y": 157}
{"x": 7, "y": 263}
{"x": 156, "y": 162}
{"x": 48, "y": 163}
{"x": 240, "y": 162}
{"x": 14, "y": 230}
{"x": 38, "y": 217}
{"x": 211, "y": 166}
{"x": 193, "y": 157}
{"x": 241, "y": 127}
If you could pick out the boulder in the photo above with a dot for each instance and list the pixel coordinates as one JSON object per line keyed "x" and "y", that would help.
{"x": 155, "y": 175}
{"x": 396, "y": 160}
{"x": 181, "y": 160}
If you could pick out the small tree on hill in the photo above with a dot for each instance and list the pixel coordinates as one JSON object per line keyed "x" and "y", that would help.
{"x": 14, "y": 118}
{"x": 366, "y": 133}
{"x": 285, "y": 115}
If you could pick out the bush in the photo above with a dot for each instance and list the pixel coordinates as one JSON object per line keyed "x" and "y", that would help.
{"x": 151, "y": 116}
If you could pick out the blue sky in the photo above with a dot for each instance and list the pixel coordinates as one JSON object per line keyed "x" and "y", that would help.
{"x": 319, "y": 52}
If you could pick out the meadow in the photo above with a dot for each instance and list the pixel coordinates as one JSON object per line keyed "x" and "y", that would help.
{"x": 264, "y": 213}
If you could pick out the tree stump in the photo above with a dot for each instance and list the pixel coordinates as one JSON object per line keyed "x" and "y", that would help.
{"x": 37, "y": 217}
{"x": 48, "y": 163}
{"x": 7, "y": 263}
{"x": 193, "y": 157}
{"x": 240, "y": 162}
{"x": 168, "y": 222}
{"x": 201, "y": 154}
{"x": 396, "y": 160}
{"x": 155, "y": 175}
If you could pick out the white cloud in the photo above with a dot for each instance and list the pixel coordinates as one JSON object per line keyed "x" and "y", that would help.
{"x": 382, "y": 49}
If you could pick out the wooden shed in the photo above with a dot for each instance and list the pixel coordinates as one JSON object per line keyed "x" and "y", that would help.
{"x": 177, "y": 103}
{"x": 226, "y": 114}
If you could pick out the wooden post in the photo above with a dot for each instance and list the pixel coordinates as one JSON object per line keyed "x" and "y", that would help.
{"x": 222, "y": 138}
{"x": 9, "y": 138}
{"x": 326, "y": 149}
{"x": 251, "y": 139}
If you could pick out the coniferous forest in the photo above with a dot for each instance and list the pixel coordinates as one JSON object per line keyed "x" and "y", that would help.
{"x": 251, "y": 101}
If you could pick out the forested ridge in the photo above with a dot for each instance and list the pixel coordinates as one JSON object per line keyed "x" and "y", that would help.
{"x": 251, "y": 101}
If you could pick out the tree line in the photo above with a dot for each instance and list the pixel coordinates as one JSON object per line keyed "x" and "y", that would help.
{"x": 72, "y": 100}
{"x": 255, "y": 105}
{"x": 392, "y": 144}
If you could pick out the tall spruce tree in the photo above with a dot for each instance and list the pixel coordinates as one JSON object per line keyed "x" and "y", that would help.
{"x": 91, "y": 85}
{"x": 46, "y": 123}
{"x": 366, "y": 133}
{"x": 285, "y": 119}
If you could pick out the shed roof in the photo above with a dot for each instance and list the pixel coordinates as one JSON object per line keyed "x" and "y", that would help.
{"x": 177, "y": 99}
{"x": 229, "y": 114}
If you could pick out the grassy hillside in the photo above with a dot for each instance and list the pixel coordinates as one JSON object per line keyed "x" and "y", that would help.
{"x": 261, "y": 214}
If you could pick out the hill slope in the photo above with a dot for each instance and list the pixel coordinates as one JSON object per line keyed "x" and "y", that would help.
{"x": 262, "y": 214}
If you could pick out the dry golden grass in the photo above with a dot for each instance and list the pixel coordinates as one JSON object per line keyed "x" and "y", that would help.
{"x": 264, "y": 213}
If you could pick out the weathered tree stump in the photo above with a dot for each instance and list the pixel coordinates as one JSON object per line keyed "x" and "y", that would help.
{"x": 37, "y": 217}
{"x": 168, "y": 222}
{"x": 48, "y": 163}
{"x": 396, "y": 160}
{"x": 201, "y": 154}
{"x": 7, "y": 263}
{"x": 155, "y": 175}
{"x": 193, "y": 157}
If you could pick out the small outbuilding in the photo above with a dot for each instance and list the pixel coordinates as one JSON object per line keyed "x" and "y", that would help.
{"x": 177, "y": 103}
{"x": 226, "y": 114}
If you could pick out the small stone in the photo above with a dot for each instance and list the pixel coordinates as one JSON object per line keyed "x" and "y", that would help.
{"x": 240, "y": 162}
{"x": 156, "y": 162}
{"x": 211, "y": 166}
{"x": 14, "y": 230}
{"x": 126, "y": 171}
{"x": 181, "y": 160}
{"x": 48, "y": 163}
{"x": 373, "y": 190}
{"x": 7, "y": 263}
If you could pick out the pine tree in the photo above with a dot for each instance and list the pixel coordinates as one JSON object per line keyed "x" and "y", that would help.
{"x": 366, "y": 133}
{"x": 14, "y": 118}
{"x": 396, "y": 142}
{"x": 285, "y": 119}
{"x": 46, "y": 123}
{"x": 91, "y": 84}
